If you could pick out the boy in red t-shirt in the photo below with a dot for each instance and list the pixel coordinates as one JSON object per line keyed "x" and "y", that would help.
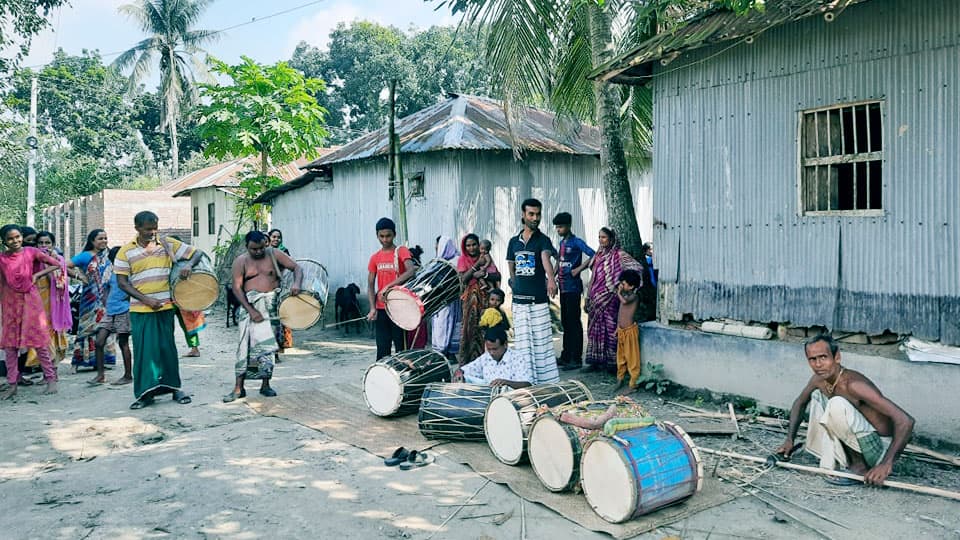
{"x": 388, "y": 267}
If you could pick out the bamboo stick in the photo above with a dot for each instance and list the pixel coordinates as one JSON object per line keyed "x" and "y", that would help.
{"x": 828, "y": 472}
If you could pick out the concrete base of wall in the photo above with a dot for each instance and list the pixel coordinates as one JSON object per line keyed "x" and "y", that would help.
{"x": 774, "y": 372}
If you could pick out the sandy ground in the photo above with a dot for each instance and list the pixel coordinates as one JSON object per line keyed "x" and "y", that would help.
{"x": 81, "y": 465}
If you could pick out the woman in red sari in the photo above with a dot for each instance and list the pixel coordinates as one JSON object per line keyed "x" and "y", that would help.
{"x": 602, "y": 303}
{"x": 25, "y": 323}
{"x": 475, "y": 296}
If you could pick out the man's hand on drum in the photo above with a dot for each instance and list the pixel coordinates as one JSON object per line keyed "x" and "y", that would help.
{"x": 256, "y": 316}
{"x": 185, "y": 271}
{"x": 458, "y": 375}
{"x": 499, "y": 382}
{"x": 294, "y": 291}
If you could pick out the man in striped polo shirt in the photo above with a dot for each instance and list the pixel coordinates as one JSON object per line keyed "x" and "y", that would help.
{"x": 143, "y": 271}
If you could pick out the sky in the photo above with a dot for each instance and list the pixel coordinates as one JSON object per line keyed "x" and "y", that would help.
{"x": 96, "y": 24}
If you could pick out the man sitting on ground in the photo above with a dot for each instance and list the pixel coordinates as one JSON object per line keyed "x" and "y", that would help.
{"x": 499, "y": 366}
{"x": 851, "y": 422}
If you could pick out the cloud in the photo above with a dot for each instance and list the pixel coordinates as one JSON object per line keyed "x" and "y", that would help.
{"x": 316, "y": 28}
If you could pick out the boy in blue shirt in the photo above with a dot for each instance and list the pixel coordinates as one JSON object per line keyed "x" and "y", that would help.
{"x": 115, "y": 321}
{"x": 574, "y": 257}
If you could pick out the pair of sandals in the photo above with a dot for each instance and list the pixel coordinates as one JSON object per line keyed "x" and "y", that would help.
{"x": 408, "y": 459}
{"x": 179, "y": 396}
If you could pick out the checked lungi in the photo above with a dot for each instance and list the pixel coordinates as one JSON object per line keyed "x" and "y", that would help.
{"x": 258, "y": 343}
{"x": 534, "y": 340}
{"x": 835, "y": 423}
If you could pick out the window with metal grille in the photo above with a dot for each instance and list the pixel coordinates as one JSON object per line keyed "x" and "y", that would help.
{"x": 211, "y": 218}
{"x": 196, "y": 221}
{"x": 415, "y": 184}
{"x": 842, "y": 159}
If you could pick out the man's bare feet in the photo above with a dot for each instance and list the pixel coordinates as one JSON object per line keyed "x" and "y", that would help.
{"x": 99, "y": 379}
{"x": 627, "y": 390}
{"x": 126, "y": 379}
{"x": 51, "y": 387}
{"x": 9, "y": 393}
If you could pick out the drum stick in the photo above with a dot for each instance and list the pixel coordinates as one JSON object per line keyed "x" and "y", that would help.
{"x": 829, "y": 472}
{"x": 346, "y": 322}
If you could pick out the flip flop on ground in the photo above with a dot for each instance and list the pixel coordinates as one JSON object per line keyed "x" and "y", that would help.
{"x": 399, "y": 455}
{"x": 181, "y": 397}
{"x": 233, "y": 396}
{"x": 141, "y": 403}
{"x": 416, "y": 459}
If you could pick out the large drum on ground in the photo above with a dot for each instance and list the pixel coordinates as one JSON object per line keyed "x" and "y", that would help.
{"x": 305, "y": 309}
{"x": 454, "y": 411}
{"x": 658, "y": 466}
{"x": 393, "y": 387}
{"x": 555, "y": 447}
{"x": 435, "y": 285}
{"x": 201, "y": 288}
{"x": 506, "y": 423}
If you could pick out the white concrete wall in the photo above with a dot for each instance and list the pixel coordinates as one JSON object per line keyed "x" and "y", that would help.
{"x": 225, "y": 220}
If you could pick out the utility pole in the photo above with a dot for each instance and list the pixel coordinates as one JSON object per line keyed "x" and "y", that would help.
{"x": 396, "y": 170}
{"x": 31, "y": 168}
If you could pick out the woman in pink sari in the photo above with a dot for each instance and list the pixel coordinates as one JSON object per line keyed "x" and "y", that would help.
{"x": 25, "y": 323}
{"x": 475, "y": 297}
{"x": 53, "y": 286}
{"x": 602, "y": 303}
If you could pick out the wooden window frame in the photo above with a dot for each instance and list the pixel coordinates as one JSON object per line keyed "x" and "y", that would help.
{"x": 196, "y": 221}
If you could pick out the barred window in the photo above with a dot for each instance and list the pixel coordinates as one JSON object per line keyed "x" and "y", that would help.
{"x": 196, "y": 221}
{"x": 842, "y": 159}
{"x": 211, "y": 218}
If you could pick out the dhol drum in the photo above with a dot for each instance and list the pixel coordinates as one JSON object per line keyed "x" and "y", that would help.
{"x": 200, "y": 290}
{"x": 658, "y": 466}
{"x": 305, "y": 309}
{"x": 506, "y": 423}
{"x": 555, "y": 446}
{"x": 433, "y": 287}
{"x": 454, "y": 411}
{"x": 393, "y": 387}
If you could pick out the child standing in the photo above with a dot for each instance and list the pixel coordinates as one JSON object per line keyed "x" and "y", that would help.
{"x": 25, "y": 323}
{"x": 493, "y": 316}
{"x": 116, "y": 321}
{"x": 628, "y": 334}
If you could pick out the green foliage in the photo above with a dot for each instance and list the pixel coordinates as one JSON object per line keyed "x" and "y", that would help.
{"x": 363, "y": 57}
{"x": 267, "y": 110}
{"x": 20, "y": 20}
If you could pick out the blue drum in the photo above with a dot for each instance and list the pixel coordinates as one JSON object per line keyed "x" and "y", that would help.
{"x": 454, "y": 411}
{"x": 639, "y": 471}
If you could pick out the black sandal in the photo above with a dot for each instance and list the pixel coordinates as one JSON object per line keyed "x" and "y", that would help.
{"x": 181, "y": 397}
{"x": 141, "y": 403}
{"x": 399, "y": 455}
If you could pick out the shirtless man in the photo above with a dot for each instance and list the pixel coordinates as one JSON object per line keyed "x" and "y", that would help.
{"x": 256, "y": 284}
{"x": 851, "y": 422}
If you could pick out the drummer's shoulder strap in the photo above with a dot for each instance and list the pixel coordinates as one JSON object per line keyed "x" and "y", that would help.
{"x": 273, "y": 259}
{"x": 168, "y": 249}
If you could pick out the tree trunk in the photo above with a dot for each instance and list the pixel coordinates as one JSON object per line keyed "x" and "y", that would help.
{"x": 174, "y": 149}
{"x": 613, "y": 161}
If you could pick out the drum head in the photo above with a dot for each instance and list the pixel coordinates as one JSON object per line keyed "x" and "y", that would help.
{"x": 608, "y": 482}
{"x": 551, "y": 454}
{"x": 382, "y": 390}
{"x": 404, "y": 308}
{"x": 504, "y": 432}
{"x": 196, "y": 293}
{"x": 300, "y": 312}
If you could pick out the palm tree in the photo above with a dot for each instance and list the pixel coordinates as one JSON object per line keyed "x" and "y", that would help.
{"x": 542, "y": 52}
{"x": 170, "y": 37}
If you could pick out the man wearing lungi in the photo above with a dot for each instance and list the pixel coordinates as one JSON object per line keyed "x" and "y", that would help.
{"x": 851, "y": 423}
{"x": 143, "y": 268}
{"x": 256, "y": 284}
{"x": 533, "y": 283}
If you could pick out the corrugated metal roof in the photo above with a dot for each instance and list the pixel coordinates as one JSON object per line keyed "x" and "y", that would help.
{"x": 225, "y": 175}
{"x": 464, "y": 122}
{"x": 710, "y": 28}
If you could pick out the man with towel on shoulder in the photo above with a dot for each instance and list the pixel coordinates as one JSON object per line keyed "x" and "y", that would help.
{"x": 256, "y": 284}
{"x": 851, "y": 422}
{"x": 499, "y": 366}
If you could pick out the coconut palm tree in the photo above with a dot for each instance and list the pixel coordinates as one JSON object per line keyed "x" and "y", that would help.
{"x": 542, "y": 52}
{"x": 171, "y": 39}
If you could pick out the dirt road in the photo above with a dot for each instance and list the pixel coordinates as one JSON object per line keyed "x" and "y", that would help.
{"x": 81, "y": 465}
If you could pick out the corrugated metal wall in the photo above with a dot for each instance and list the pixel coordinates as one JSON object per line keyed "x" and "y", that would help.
{"x": 466, "y": 191}
{"x": 726, "y": 174}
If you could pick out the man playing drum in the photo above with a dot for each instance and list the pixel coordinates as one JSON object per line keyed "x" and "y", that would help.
{"x": 143, "y": 271}
{"x": 256, "y": 284}
{"x": 499, "y": 366}
{"x": 388, "y": 267}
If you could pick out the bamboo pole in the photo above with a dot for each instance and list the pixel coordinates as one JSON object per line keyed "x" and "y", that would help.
{"x": 829, "y": 472}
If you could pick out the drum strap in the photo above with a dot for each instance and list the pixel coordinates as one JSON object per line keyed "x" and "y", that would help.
{"x": 273, "y": 259}
{"x": 166, "y": 247}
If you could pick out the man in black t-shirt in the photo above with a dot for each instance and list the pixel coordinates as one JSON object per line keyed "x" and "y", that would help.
{"x": 533, "y": 283}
